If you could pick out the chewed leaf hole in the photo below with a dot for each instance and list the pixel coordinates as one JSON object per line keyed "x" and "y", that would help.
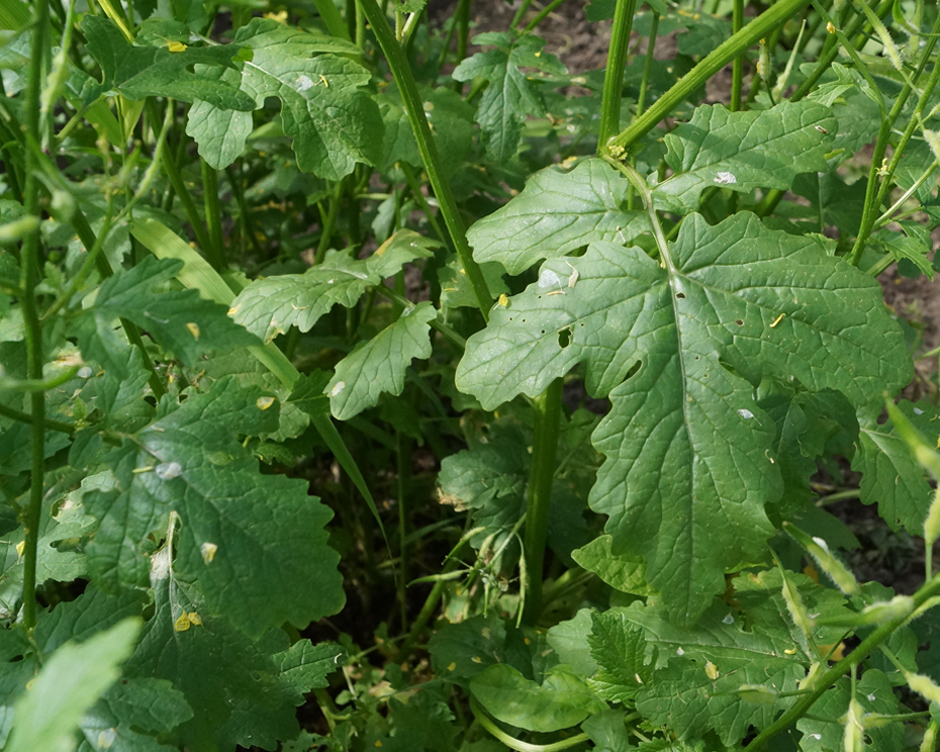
{"x": 564, "y": 337}
{"x": 633, "y": 369}
{"x": 680, "y": 295}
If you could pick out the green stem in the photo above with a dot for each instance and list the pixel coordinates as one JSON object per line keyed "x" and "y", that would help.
{"x": 329, "y": 221}
{"x": 210, "y": 199}
{"x": 34, "y": 353}
{"x": 542, "y": 15}
{"x": 402, "y": 74}
{"x": 647, "y": 65}
{"x": 613, "y": 76}
{"x": 727, "y": 51}
{"x": 172, "y": 170}
{"x": 737, "y": 67}
{"x": 403, "y": 457}
{"x": 21, "y": 417}
{"x": 547, "y": 410}
{"x": 332, "y": 18}
{"x": 517, "y": 19}
{"x": 826, "y": 680}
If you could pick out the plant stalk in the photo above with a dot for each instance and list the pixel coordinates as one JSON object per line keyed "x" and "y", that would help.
{"x": 547, "y": 410}
{"x": 34, "y": 351}
{"x": 613, "y": 76}
{"x": 737, "y": 66}
{"x": 401, "y": 72}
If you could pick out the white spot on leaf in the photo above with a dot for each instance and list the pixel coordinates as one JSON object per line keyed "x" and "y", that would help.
{"x": 548, "y": 278}
{"x": 168, "y": 470}
{"x": 263, "y": 403}
{"x": 729, "y": 619}
{"x": 725, "y": 178}
{"x": 746, "y": 414}
{"x": 680, "y": 651}
{"x": 338, "y": 387}
{"x": 304, "y": 83}
{"x": 85, "y": 372}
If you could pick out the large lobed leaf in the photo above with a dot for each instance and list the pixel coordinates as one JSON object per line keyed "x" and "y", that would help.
{"x": 332, "y": 123}
{"x": 678, "y": 348}
{"x": 255, "y": 543}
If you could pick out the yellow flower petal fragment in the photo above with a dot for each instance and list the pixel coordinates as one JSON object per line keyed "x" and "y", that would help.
{"x": 176, "y": 46}
{"x": 182, "y": 623}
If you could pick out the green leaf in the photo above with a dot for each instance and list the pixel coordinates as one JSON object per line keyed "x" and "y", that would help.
{"x": 70, "y": 682}
{"x": 401, "y": 248}
{"x": 132, "y": 713}
{"x": 561, "y": 701}
{"x": 179, "y": 320}
{"x": 704, "y": 673}
{"x": 138, "y": 72}
{"x": 689, "y": 453}
{"x": 463, "y": 650}
{"x": 305, "y": 666}
{"x": 449, "y": 117}
{"x": 270, "y": 306}
{"x": 557, "y": 213}
{"x": 511, "y": 95}
{"x": 823, "y": 729}
{"x": 255, "y": 543}
{"x": 744, "y": 150}
{"x": 619, "y": 648}
{"x": 569, "y": 639}
{"x": 379, "y": 365}
{"x": 622, "y": 572}
{"x": 489, "y": 471}
{"x": 332, "y": 123}
{"x": 236, "y": 686}
{"x": 891, "y": 477}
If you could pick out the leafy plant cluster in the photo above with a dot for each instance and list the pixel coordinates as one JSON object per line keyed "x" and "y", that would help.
{"x": 361, "y": 386}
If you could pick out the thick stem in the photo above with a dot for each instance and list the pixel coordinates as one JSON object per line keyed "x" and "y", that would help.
{"x": 727, "y": 51}
{"x": 737, "y": 67}
{"x": 547, "y": 407}
{"x": 34, "y": 354}
{"x": 402, "y": 74}
{"x": 613, "y": 76}
{"x": 210, "y": 199}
